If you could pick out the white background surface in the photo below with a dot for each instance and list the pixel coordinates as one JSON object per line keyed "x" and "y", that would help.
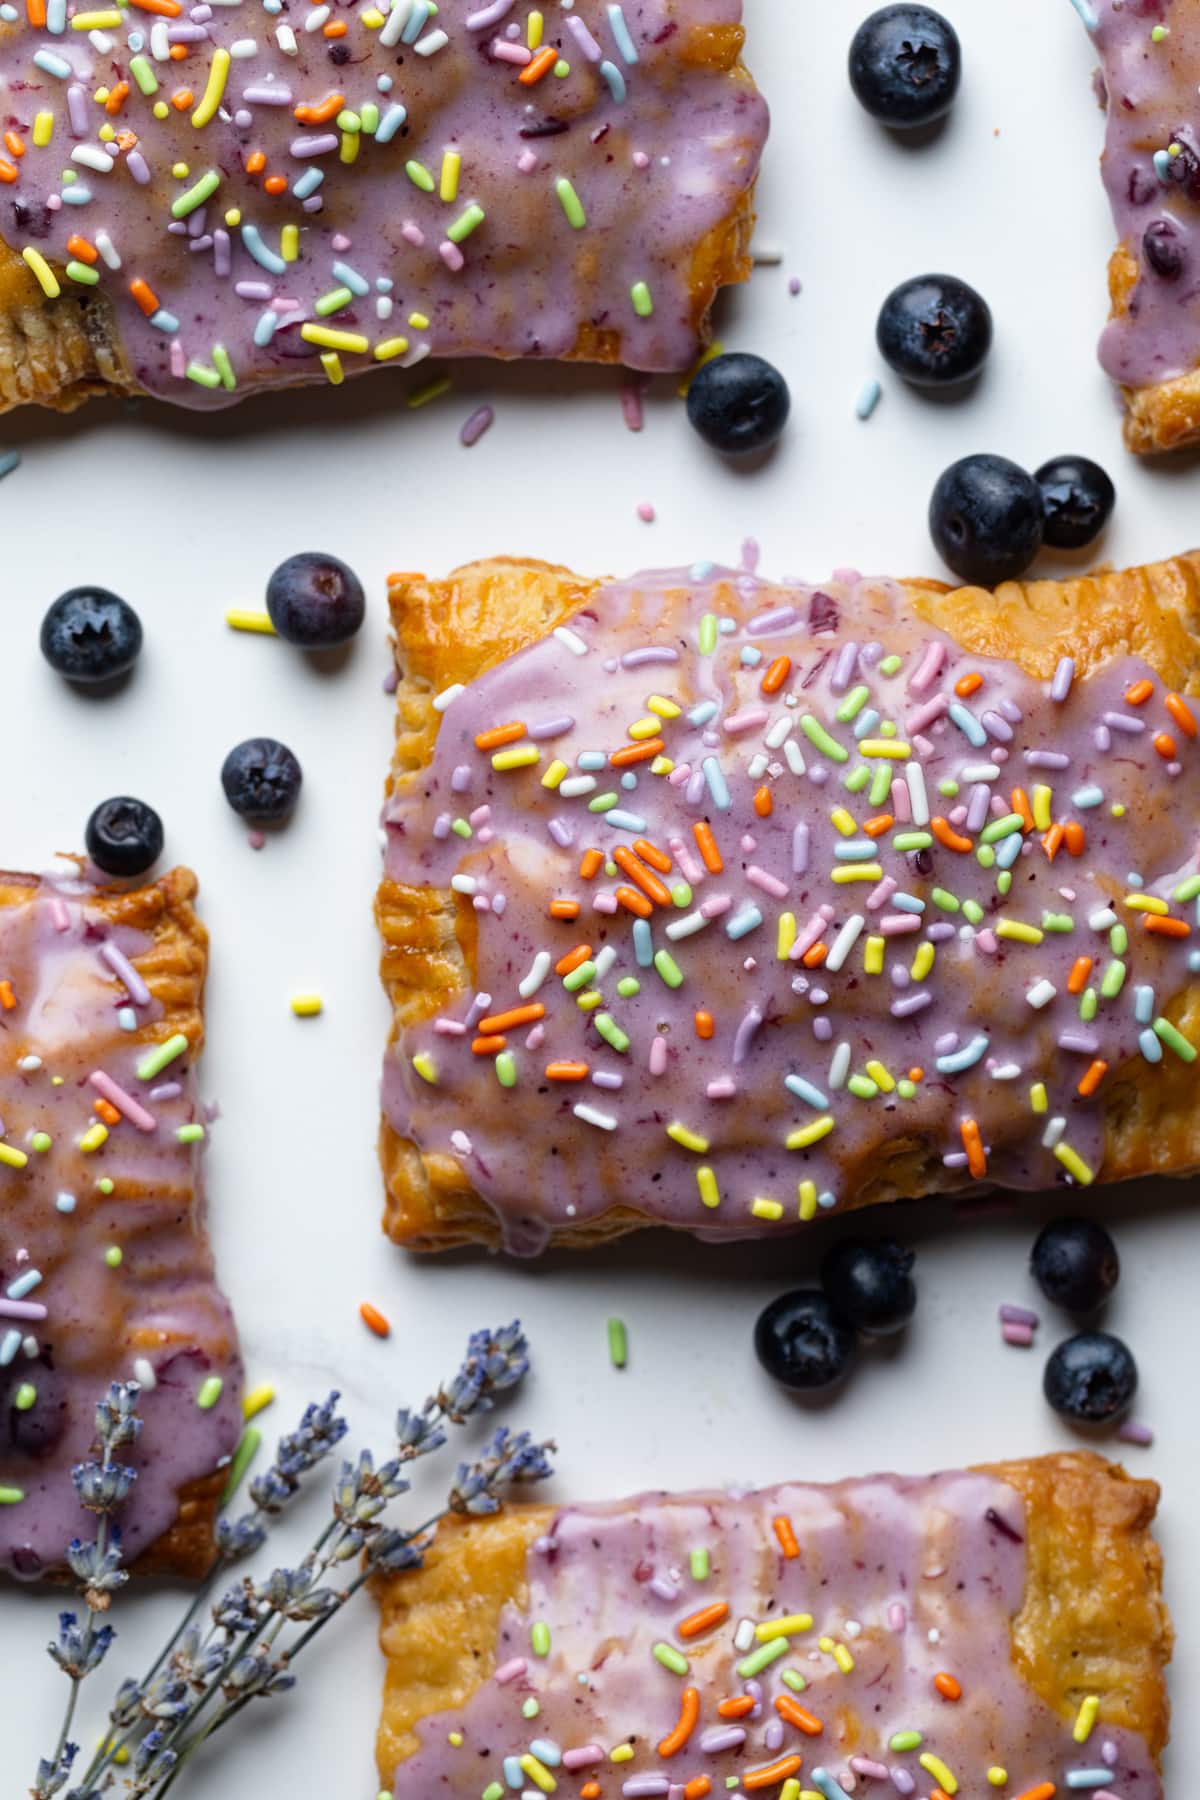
{"x": 185, "y": 515}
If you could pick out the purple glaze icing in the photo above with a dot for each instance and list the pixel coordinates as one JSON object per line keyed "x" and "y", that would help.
{"x": 545, "y": 1152}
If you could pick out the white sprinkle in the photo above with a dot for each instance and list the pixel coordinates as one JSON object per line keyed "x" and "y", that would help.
{"x": 777, "y": 736}
{"x": 1041, "y": 994}
{"x": 29, "y": 1064}
{"x": 93, "y": 158}
{"x": 285, "y": 37}
{"x": 604, "y": 962}
{"x": 316, "y": 18}
{"x": 839, "y": 1066}
{"x": 1102, "y": 920}
{"x": 687, "y": 926}
{"x": 794, "y": 756}
{"x": 448, "y": 696}
{"x": 144, "y": 1374}
{"x": 431, "y": 43}
{"x": 537, "y": 974}
{"x": 914, "y": 775}
{"x": 464, "y": 884}
{"x": 743, "y": 1637}
{"x": 1053, "y": 1132}
{"x": 590, "y": 1116}
{"x": 571, "y": 639}
{"x": 107, "y": 249}
{"x": 844, "y": 942}
{"x": 243, "y": 48}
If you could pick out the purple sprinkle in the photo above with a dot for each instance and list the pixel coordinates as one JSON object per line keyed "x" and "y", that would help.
{"x": 1018, "y": 1315}
{"x": 640, "y": 1786}
{"x": 580, "y": 33}
{"x": 977, "y": 806}
{"x": 997, "y": 727}
{"x": 1047, "y": 759}
{"x": 800, "y": 849}
{"x": 911, "y": 1003}
{"x": 1108, "y": 1753}
{"x": 320, "y": 145}
{"x": 745, "y": 1032}
{"x": 77, "y": 110}
{"x": 773, "y": 1735}
{"x": 441, "y": 826}
{"x": 902, "y": 1781}
{"x": 1064, "y": 675}
{"x": 124, "y": 970}
{"x": 166, "y": 1090}
{"x": 777, "y": 619}
{"x": 138, "y": 167}
{"x": 1102, "y": 738}
{"x": 253, "y": 290}
{"x": 1011, "y": 710}
{"x": 562, "y": 833}
{"x": 1084, "y": 1043}
{"x": 939, "y": 931}
{"x": 1134, "y": 1432}
{"x": 663, "y": 1589}
{"x": 268, "y": 93}
{"x": 650, "y": 653}
{"x": 822, "y": 1029}
{"x": 1124, "y": 722}
{"x": 474, "y": 427}
{"x": 460, "y": 781}
{"x": 722, "y": 1737}
{"x": 548, "y": 728}
{"x": 844, "y": 667}
{"x": 608, "y": 1078}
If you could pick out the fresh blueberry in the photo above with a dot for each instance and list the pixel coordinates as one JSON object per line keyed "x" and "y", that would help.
{"x": 803, "y": 1342}
{"x": 905, "y": 66}
{"x": 871, "y": 1284}
{"x": 124, "y": 836}
{"x": 1091, "y": 1378}
{"x": 261, "y": 778}
{"x": 738, "y": 403}
{"x": 90, "y": 635}
{"x": 1078, "y": 499}
{"x": 315, "y": 601}
{"x": 986, "y": 518}
{"x": 1075, "y": 1263}
{"x": 934, "y": 330}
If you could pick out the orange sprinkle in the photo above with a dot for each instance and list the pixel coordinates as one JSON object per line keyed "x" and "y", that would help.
{"x": 572, "y": 959}
{"x": 916, "y": 1073}
{"x": 705, "y": 1620}
{"x": 178, "y": 52}
{"x": 798, "y": 1715}
{"x": 636, "y": 753}
{"x": 938, "y": 1793}
{"x": 256, "y": 162}
{"x": 1164, "y": 743}
{"x": 488, "y": 1046}
{"x": 81, "y": 249}
{"x": 706, "y": 843}
{"x": 566, "y": 1071}
{"x": 973, "y": 1145}
{"x": 645, "y": 878}
{"x": 14, "y": 143}
{"x": 36, "y": 9}
{"x": 334, "y": 28}
{"x": 634, "y": 902}
{"x": 515, "y": 1016}
{"x": 697, "y": 1789}
{"x": 318, "y": 112}
{"x": 968, "y": 684}
{"x": 812, "y": 959}
{"x": 1081, "y": 968}
{"x": 373, "y": 1319}
{"x": 7, "y": 998}
{"x": 118, "y": 95}
{"x": 127, "y": 140}
{"x": 774, "y": 1773}
{"x": 777, "y": 673}
{"x": 879, "y": 824}
{"x": 541, "y": 65}
{"x": 1052, "y": 841}
{"x": 658, "y": 859}
{"x": 275, "y": 184}
{"x": 947, "y": 1686}
{"x": 166, "y": 9}
{"x": 1045, "y": 1790}
{"x": 591, "y": 1790}
{"x": 1165, "y": 926}
{"x": 104, "y": 1109}
{"x": 7, "y": 171}
{"x": 1139, "y": 692}
{"x": 145, "y": 295}
{"x": 945, "y": 833}
{"x": 782, "y": 1527}
{"x": 1076, "y": 840}
{"x": 182, "y": 99}
{"x": 737, "y": 1707}
{"x": 1019, "y": 801}
{"x": 762, "y": 802}
{"x": 1092, "y": 1076}
{"x": 704, "y": 1024}
{"x": 590, "y": 864}
{"x": 499, "y": 735}
{"x": 1182, "y": 714}
{"x": 689, "y": 1715}
{"x": 564, "y": 909}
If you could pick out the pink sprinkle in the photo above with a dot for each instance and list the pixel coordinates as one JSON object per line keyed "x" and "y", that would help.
{"x": 30, "y": 1309}
{"x": 927, "y": 714}
{"x": 125, "y": 1103}
{"x": 449, "y": 1027}
{"x": 256, "y": 839}
{"x": 901, "y": 802}
{"x": 866, "y": 1765}
{"x": 510, "y": 53}
{"x": 536, "y": 1038}
{"x": 124, "y": 970}
{"x": 451, "y": 255}
{"x": 640, "y": 160}
{"x": 474, "y": 427}
{"x": 412, "y": 234}
{"x": 604, "y": 903}
{"x": 679, "y": 774}
{"x": 897, "y": 1616}
{"x": 881, "y": 893}
{"x": 985, "y": 940}
{"x": 340, "y": 241}
{"x": 926, "y": 672}
{"x": 735, "y": 723}
{"x": 176, "y": 359}
{"x": 585, "y": 1757}
{"x": 689, "y": 868}
{"x": 794, "y": 286}
{"x": 1018, "y": 1315}
{"x": 1134, "y": 1432}
{"x": 1013, "y": 1333}
{"x": 897, "y": 924}
{"x": 658, "y": 1055}
{"x": 509, "y": 1671}
{"x": 631, "y": 406}
{"x": 527, "y": 162}
{"x": 715, "y": 905}
{"x": 391, "y": 681}
{"x": 724, "y": 1088}
{"x": 645, "y": 512}
{"x": 770, "y": 884}
{"x": 60, "y": 914}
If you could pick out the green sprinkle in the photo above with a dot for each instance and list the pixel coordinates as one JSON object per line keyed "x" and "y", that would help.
{"x": 857, "y": 779}
{"x": 643, "y": 303}
{"x": 611, "y": 870}
{"x": 420, "y": 177}
{"x": 611, "y": 1032}
{"x": 1052, "y": 921}
{"x": 243, "y": 1456}
{"x": 973, "y": 912}
{"x": 604, "y": 802}
{"x": 202, "y": 375}
{"x": 106, "y": 1184}
{"x": 370, "y": 118}
{"x": 461, "y": 828}
{"x": 11, "y": 1496}
{"x": 114, "y": 1256}
{"x": 224, "y": 367}
{"x": 681, "y": 894}
{"x": 1118, "y": 940}
{"x": 156, "y": 1060}
{"x": 26, "y": 1395}
{"x": 906, "y": 1088}
{"x": 985, "y": 856}
{"x": 912, "y": 840}
{"x": 1004, "y": 881}
{"x": 853, "y": 704}
{"x": 618, "y": 1343}
{"x": 530, "y": 1708}
{"x": 891, "y": 665}
{"x": 668, "y": 968}
{"x": 1187, "y": 890}
{"x": 81, "y": 273}
{"x": 1113, "y": 979}
{"x": 699, "y": 1564}
{"x": 1088, "y": 1002}
{"x": 862, "y": 1087}
{"x": 332, "y": 302}
{"x": 946, "y": 901}
{"x": 467, "y": 221}
{"x": 493, "y": 1791}
{"x": 881, "y": 783}
{"x": 579, "y": 978}
{"x": 143, "y": 74}
{"x": 670, "y": 1658}
{"x": 706, "y": 637}
{"x": 210, "y": 1391}
{"x": 591, "y": 1000}
{"x": 1174, "y": 1040}
{"x": 349, "y": 120}
{"x": 948, "y": 787}
{"x": 628, "y": 986}
{"x": 539, "y": 1638}
{"x": 794, "y": 1679}
{"x": 506, "y": 1069}
{"x": 190, "y": 1134}
{"x": 762, "y": 1657}
{"x": 820, "y": 739}
{"x": 888, "y": 728}
{"x": 561, "y": 69}
{"x": 901, "y": 1741}
{"x": 41, "y": 1142}
{"x": 196, "y": 195}
{"x": 571, "y": 204}
{"x": 1001, "y": 828}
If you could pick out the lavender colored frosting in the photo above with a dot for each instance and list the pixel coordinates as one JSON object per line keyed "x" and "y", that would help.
{"x": 911, "y": 1577}
{"x": 918, "y": 973}
{"x": 656, "y": 143}
{"x": 1151, "y": 170}
{"x": 159, "y": 1309}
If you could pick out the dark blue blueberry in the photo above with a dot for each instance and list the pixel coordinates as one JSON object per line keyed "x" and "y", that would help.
{"x": 905, "y": 66}
{"x": 871, "y": 1284}
{"x": 803, "y": 1342}
{"x": 315, "y": 601}
{"x": 986, "y": 518}
{"x": 1075, "y": 1263}
{"x": 738, "y": 403}
{"x": 261, "y": 778}
{"x": 934, "y": 330}
{"x": 124, "y": 836}
{"x": 1078, "y": 498}
{"x": 89, "y": 634}
{"x": 1163, "y": 250}
{"x": 1091, "y": 1378}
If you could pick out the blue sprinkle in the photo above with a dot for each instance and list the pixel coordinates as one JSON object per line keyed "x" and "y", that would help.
{"x": 1085, "y": 797}
{"x": 643, "y": 948}
{"x": 513, "y": 1773}
{"x": 804, "y": 1090}
{"x": 391, "y": 121}
{"x": 56, "y": 17}
{"x": 9, "y": 14}
{"x": 701, "y": 714}
{"x": 866, "y": 722}
{"x": 9, "y": 460}
{"x": 1009, "y": 849}
{"x": 824, "y": 1781}
{"x": 620, "y": 31}
{"x": 162, "y": 320}
{"x": 751, "y": 656}
{"x": 1134, "y": 880}
{"x": 267, "y": 259}
{"x": 592, "y": 759}
{"x": 965, "y": 1058}
{"x": 1088, "y": 1778}
{"x": 1193, "y": 961}
{"x": 827, "y": 1200}
{"x": 358, "y": 284}
{"x": 1150, "y": 1047}
{"x": 742, "y": 923}
{"x": 1162, "y": 165}
{"x": 384, "y": 284}
{"x": 869, "y": 396}
{"x": 546, "y": 1752}
{"x": 615, "y": 79}
{"x": 629, "y": 781}
{"x": 385, "y": 84}
{"x": 866, "y": 851}
{"x": 417, "y": 21}
{"x": 264, "y": 329}
{"x": 620, "y": 820}
{"x": 1087, "y": 13}
{"x": 50, "y": 63}
{"x": 907, "y": 903}
{"x": 1143, "y": 1004}
{"x": 700, "y": 571}
{"x": 76, "y": 194}
{"x": 308, "y": 183}
{"x": 9, "y": 1347}
{"x": 968, "y": 724}
{"x": 714, "y": 774}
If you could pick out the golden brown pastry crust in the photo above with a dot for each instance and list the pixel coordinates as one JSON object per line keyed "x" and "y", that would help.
{"x": 1165, "y": 416}
{"x": 453, "y": 630}
{"x": 1093, "y": 1619}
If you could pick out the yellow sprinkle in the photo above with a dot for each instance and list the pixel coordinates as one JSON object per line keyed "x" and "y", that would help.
{"x": 241, "y": 619}
{"x": 923, "y": 961}
{"x": 419, "y": 321}
{"x": 844, "y": 821}
{"x": 106, "y": 134}
{"x": 455, "y": 1738}
{"x": 1117, "y": 809}
{"x": 786, "y": 936}
{"x": 426, "y": 1068}
{"x": 257, "y": 1400}
{"x": 43, "y": 129}
{"x": 706, "y": 1181}
{"x": 1037, "y": 1097}
{"x": 825, "y": 1644}
{"x": 790, "y": 1789}
{"x": 622, "y": 1753}
{"x": 433, "y": 390}
{"x": 766, "y": 1209}
{"x": 306, "y": 1006}
{"x": 1023, "y": 934}
{"x": 933, "y": 1765}
{"x": 1042, "y": 797}
{"x": 706, "y": 356}
{"x": 217, "y": 75}
{"x": 97, "y": 21}
{"x": 519, "y": 757}
{"x": 644, "y": 728}
{"x": 892, "y": 748}
{"x": 807, "y": 1195}
{"x": 350, "y": 146}
{"x": 451, "y": 165}
{"x": 997, "y": 1776}
{"x": 233, "y": 217}
{"x": 289, "y": 242}
{"x": 1149, "y": 903}
{"x": 538, "y": 1773}
{"x": 662, "y": 765}
{"x": 558, "y": 771}
{"x": 880, "y": 1076}
{"x": 331, "y": 362}
{"x": 47, "y": 279}
{"x": 690, "y": 1140}
{"x": 805, "y": 1135}
{"x": 534, "y": 30}
{"x": 845, "y": 1663}
{"x": 857, "y": 872}
{"x": 11, "y": 1158}
{"x": 389, "y": 347}
{"x": 325, "y": 335}
{"x": 777, "y": 1628}
{"x": 180, "y": 171}
{"x": 161, "y": 111}
{"x": 372, "y": 18}
{"x": 93, "y": 1137}
{"x": 666, "y": 709}
{"x": 873, "y": 956}
{"x": 1074, "y": 1164}
{"x": 1089, "y": 1712}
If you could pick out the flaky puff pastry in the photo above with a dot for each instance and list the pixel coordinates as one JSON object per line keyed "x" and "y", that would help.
{"x": 1040, "y": 1578}
{"x": 455, "y": 631}
{"x": 100, "y": 985}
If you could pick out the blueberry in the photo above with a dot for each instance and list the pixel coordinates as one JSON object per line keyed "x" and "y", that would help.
{"x": 1163, "y": 250}
{"x": 1075, "y": 1263}
{"x": 124, "y": 836}
{"x": 1091, "y": 1378}
{"x": 934, "y": 330}
{"x": 89, "y": 635}
{"x": 1077, "y": 498}
{"x": 803, "y": 1342}
{"x": 315, "y": 601}
{"x": 986, "y": 518}
{"x": 261, "y": 778}
{"x": 871, "y": 1284}
{"x": 738, "y": 403}
{"x": 905, "y": 66}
